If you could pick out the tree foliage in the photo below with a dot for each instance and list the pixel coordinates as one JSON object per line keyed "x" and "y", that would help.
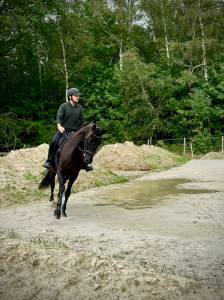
{"x": 145, "y": 68}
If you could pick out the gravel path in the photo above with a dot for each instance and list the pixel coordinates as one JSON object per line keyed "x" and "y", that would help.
{"x": 171, "y": 248}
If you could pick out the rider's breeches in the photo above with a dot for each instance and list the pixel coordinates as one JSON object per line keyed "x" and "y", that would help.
{"x": 53, "y": 146}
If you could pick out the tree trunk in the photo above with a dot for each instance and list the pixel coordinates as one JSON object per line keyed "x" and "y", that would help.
{"x": 64, "y": 61}
{"x": 39, "y": 71}
{"x": 174, "y": 25}
{"x": 152, "y": 29}
{"x": 165, "y": 32}
{"x": 203, "y": 46}
{"x": 121, "y": 54}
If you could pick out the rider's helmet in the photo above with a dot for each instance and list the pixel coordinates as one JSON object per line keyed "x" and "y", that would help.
{"x": 73, "y": 91}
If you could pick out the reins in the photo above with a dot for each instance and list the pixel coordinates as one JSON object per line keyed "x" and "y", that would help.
{"x": 68, "y": 138}
{"x": 82, "y": 150}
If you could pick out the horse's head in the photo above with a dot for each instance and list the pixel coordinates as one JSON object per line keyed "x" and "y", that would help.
{"x": 92, "y": 141}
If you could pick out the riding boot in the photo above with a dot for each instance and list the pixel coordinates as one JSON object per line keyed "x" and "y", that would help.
{"x": 50, "y": 158}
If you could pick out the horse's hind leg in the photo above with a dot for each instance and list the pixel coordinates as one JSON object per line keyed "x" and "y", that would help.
{"x": 67, "y": 194}
{"x": 52, "y": 179}
{"x": 57, "y": 211}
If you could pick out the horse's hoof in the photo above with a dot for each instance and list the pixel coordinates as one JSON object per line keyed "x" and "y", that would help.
{"x": 64, "y": 214}
{"x": 52, "y": 204}
{"x": 57, "y": 214}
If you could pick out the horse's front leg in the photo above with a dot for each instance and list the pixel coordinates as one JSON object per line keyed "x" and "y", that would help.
{"x": 61, "y": 180}
{"x": 67, "y": 193}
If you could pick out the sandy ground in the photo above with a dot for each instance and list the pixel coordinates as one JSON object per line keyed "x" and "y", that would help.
{"x": 160, "y": 236}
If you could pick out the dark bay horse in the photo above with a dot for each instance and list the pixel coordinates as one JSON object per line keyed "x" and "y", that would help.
{"x": 77, "y": 150}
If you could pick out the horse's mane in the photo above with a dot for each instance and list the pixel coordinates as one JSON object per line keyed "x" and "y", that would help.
{"x": 75, "y": 138}
{"x": 86, "y": 127}
{"x": 83, "y": 130}
{"x": 83, "y": 125}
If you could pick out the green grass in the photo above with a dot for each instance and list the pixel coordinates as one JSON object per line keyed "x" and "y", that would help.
{"x": 182, "y": 159}
{"x": 30, "y": 177}
{"x": 101, "y": 177}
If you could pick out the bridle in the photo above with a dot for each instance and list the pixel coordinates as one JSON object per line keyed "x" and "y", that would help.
{"x": 84, "y": 150}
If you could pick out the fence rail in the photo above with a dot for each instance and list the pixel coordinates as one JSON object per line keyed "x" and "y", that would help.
{"x": 213, "y": 143}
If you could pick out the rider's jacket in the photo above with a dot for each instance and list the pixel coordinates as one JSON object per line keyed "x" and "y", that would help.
{"x": 69, "y": 116}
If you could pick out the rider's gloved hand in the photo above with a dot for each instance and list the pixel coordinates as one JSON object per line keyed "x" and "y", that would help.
{"x": 61, "y": 128}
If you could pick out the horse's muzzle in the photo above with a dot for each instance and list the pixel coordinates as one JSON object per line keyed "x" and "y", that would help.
{"x": 88, "y": 158}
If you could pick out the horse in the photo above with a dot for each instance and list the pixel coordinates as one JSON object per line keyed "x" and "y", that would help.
{"x": 77, "y": 150}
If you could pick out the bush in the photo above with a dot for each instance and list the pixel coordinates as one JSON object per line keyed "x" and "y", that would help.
{"x": 17, "y": 133}
{"x": 205, "y": 144}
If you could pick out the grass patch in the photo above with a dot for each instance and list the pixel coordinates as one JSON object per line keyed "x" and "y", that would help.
{"x": 97, "y": 178}
{"x": 19, "y": 194}
{"x": 49, "y": 243}
{"x": 182, "y": 159}
{"x": 30, "y": 177}
{"x": 9, "y": 234}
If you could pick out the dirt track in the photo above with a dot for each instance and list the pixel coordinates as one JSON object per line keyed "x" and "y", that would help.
{"x": 111, "y": 247}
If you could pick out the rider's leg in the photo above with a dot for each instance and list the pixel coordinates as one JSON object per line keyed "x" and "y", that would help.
{"x": 53, "y": 147}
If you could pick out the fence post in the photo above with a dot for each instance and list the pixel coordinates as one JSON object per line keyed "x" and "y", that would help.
{"x": 149, "y": 141}
{"x": 192, "y": 153}
{"x": 222, "y": 143}
{"x": 184, "y": 145}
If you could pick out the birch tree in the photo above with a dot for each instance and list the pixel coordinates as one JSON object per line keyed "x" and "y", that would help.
{"x": 125, "y": 12}
{"x": 203, "y": 44}
{"x": 64, "y": 59}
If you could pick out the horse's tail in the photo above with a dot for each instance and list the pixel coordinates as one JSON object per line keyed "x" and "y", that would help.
{"x": 46, "y": 180}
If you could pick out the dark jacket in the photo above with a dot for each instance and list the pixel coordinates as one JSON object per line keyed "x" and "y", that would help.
{"x": 70, "y": 117}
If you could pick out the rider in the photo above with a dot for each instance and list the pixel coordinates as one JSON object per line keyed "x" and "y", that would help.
{"x": 70, "y": 117}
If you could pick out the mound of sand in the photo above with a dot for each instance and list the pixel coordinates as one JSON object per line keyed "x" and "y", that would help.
{"x": 128, "y": 156}
{"x": 213, "y": 155}
{"x": 20, "y": 173}
{"x": 27, "y": 160}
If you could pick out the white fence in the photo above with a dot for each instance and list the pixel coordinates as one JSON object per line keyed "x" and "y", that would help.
{"x": 213, "y": 143}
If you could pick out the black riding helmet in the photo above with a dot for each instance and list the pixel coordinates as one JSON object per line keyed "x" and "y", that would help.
{"x": 73, "y": 91}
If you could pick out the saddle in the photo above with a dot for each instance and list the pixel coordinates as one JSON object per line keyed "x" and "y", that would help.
{"x": 63, "y": 139}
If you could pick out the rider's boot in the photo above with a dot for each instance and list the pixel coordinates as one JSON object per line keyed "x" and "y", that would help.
{"x": 87, "y": 167}
{"x": 48, "y": 163}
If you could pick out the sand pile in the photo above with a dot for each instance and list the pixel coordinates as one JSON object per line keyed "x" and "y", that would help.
{"x": 129, "y": 156}
{"x": 20, "y": 173}
{"x": 27, "y": 160}
{"x": 213, "y": 155}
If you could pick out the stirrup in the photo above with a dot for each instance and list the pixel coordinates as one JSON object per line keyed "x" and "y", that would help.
{"x": 88, "y": 168}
